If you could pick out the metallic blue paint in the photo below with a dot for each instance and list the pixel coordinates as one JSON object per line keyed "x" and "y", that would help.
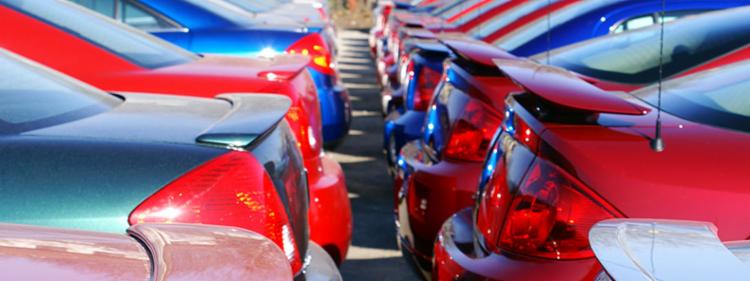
{"x": 208, "y": 32}
{"x": 597, "y": 22}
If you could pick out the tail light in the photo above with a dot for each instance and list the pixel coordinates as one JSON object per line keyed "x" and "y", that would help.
{"x": 551, "y": 215}
{"x": 427, "y": 80}
{"x": 472, "y": 133}
{"x": 231, "y": 190}
{"x": 519, "y": 129}
{"x": 307, "y": 136}
{"x": 315, "y": 47}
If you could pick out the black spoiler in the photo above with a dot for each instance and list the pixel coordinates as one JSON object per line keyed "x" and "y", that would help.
{"x": 251, "y": 117}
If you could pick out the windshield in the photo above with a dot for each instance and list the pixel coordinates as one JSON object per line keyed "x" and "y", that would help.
{"x": 256, "y": 6}
{"x": 133, "y": 45}
{"x": 633, "y": 57}
{"x": 227, "y": 11}
{"x": 719, "y": 98}
{"x": 536, "y": 28}
{"x": 504, "y": 19}
{"x": 33, "y": 97}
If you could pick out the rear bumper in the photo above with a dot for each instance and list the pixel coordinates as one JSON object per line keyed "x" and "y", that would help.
{"x": 455, "y": 258}
{"x": 431, "y": 194}
{"x": 335, "y": 106}
{"x": 320, "y": 267}
{"x": 400, "y": 129}
{"x": 330, "y": 210}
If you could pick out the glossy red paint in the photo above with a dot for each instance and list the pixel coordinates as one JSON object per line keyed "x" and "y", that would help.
{"x": 207, "y": 76}
{"x": 564, "y": 88}
{"x": 528, "y": 18}
{"x": 474, "y": 50}
{"x": 700, "y": 164}
{"x": 330, "y": 209}
{"x": 486, "y": 16}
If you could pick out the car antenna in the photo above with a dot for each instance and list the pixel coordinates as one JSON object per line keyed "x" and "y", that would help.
{"x": 549, "y": 29}
{"x": 657, "y": 144}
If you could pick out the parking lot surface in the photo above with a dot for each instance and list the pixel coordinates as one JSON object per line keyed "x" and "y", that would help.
{"x": 373, "y": 254}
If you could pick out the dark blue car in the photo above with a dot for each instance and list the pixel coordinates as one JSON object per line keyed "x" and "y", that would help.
{"x": 576, "y": 22}
{"x": 219, "y": 27}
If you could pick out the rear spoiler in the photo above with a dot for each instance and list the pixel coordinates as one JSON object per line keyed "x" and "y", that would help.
{"x": 251, "y": 117}
{"x": 639, "y": 249}
{"x": 475, "y": 51}
{"x": 419, "y": 33}
{"x": 409, "y": 20}
{"x": 427, "y": 47}
{"x": 563, "y": 88}
{"x": 282, "y": 67}
{"x": 209, "y": 252}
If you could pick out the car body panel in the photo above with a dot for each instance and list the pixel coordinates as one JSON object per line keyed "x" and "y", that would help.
{"x": 632, "y": 249}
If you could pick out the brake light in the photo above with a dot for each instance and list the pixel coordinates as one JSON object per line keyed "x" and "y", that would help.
{"x": 232, "y": 190}
{"x": 472, "y": 133}
{"x": 519, "y": 129}
{"x": 427, "y": 80}
{"x": 551, "y": 215}
{"x": 307, "y": 136}
{"x": 315, "y": 47}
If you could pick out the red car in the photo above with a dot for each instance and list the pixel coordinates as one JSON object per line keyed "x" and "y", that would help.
{"x": 114, "y": 57}
{"x": 439, "y": 173}
{"x": 148, "y": 252}
{"x": 570, "y": 155}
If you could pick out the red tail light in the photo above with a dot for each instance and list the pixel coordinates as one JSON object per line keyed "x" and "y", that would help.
{"x": 472, "y": 133}
{"x": 231, "y": 190}
{"x": 315, "y": 47}
{"x": 551, "y": 215}
{"x": 426, "y": 82}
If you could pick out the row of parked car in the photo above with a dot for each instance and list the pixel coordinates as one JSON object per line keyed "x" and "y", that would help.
{"x": 144, "y": 121}
{"x": 526, "y": 139}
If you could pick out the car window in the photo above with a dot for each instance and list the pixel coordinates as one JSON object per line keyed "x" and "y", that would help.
{"x": 633, "y": 57}
{"x": 32, "y": 96}
{"x": 256, "y": 6}
{"x": 455, "y": 10}
{"x": 142, "y": 18}
{"x": 718, "y": 99}
{"x": 478, "y": 11}
{"x": 104, "y": 7}
{"x": 227, "y": 11}
{"x": 502, "y": 20}
{"x": 131, "y": 44}
{"x": 536, "y": 28}
{"x": 648, "y": 20}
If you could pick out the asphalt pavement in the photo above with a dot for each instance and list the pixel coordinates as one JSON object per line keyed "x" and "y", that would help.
{"x": 373, "y": 254}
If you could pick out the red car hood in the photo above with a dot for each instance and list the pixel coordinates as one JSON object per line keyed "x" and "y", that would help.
{"x": 701, "y": 174}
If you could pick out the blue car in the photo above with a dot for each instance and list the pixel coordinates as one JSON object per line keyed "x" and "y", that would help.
{"x": 590, "y": 19}
{"x": 577, "y": 22}
{"x": 220, "y": 27}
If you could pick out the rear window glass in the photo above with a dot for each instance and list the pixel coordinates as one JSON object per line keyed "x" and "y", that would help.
{"x": 536, "y": 28}
{"x": 256, "y": 6}
{"x": 633, "y": 57}
{"x": 226, "y": 11}
{"x": 451, "y": 10}
{"x": 33, "y": 97}
{"x": 719, "y": 99}
{"x": 504, "y": 19}
{"x": 126, "y": 42}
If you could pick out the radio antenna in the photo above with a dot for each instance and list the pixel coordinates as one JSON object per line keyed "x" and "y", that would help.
{"x": 657, "y": 144}
{"x": 549, "y": 31}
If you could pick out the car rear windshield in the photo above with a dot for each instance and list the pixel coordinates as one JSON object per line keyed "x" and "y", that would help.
{"x": 717, "y": 98}
{"x": 133, "y": 45}
{"x": 504, "y": 19}
{"x": 536, "y": 28}
{"x": 33, "y": 97}
{"x": 227, "y": 11}
{"x": 633, "y": 57}
{"x": 256, "y": 6}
